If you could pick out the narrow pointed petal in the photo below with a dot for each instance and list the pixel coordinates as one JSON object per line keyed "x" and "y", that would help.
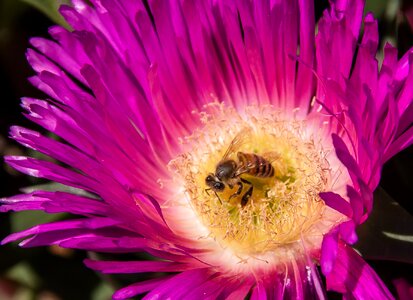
{"x": 354, "y": 276}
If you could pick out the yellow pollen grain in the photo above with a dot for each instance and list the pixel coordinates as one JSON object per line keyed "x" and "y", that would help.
{"x": 282, "y": 208}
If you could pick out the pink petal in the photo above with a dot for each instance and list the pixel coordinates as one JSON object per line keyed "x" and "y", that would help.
{"x": 55, "y": 202}
{"x": 59, "y": 227}
{"x": 336, "y": 202}
{"x": 348, "y": 232}
{"x": 138, "y": 288}
{"x": 329, "y": 250}
{"x": 259, "y": 293}
{"x": 179, "y": 285}
{"x": 352, "y": 275}
{"x": 345, "y": 157}
{"x": 116, "y": 267}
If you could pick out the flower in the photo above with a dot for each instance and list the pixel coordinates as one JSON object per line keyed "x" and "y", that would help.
{"x": 223, "y": 138}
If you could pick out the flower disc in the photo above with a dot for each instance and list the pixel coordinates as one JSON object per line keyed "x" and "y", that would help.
{"x": 282, "y": 207}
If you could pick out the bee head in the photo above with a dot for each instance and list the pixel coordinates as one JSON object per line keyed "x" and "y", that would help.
{"x": 214, "y": 183}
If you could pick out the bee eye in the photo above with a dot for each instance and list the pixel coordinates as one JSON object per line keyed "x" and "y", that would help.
{"x": 209, "y": 178}
{"x": 219, "y": 186}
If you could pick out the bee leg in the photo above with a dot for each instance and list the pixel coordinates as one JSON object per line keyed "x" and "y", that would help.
{"x": 248, "y": 194}
{"x": 206, "y": 191}
{"x": 239, "y": 190}
{"x": 246, "y": 197}
{"x": 218, "y": 197}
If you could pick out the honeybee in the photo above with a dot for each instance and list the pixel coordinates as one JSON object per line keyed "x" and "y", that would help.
{"x": 228, "y": 171}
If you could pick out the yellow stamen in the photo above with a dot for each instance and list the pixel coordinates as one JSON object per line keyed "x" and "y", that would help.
{"x": 283, "y": 207}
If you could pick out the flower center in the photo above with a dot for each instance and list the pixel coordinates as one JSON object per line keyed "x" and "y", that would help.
{"x": 254, "y": 180}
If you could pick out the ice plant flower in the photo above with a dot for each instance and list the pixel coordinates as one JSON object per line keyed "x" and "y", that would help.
{"x": 227, "y": 139}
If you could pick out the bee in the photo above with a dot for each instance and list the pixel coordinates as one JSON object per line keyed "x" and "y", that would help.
{"x": 228, "y": 171}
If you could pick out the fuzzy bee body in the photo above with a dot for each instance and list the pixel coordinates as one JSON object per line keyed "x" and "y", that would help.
{"x": 255, "y": 165}
{"x": 228, "y": 171}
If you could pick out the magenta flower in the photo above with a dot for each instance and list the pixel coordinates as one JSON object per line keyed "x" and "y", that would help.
{"x": 224, "y": 138}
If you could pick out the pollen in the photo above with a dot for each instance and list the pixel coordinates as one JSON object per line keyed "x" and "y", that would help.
{"x": 258, "y": 210}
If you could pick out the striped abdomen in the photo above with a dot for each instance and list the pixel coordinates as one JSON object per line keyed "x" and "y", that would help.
{"x": 255, "y": 165}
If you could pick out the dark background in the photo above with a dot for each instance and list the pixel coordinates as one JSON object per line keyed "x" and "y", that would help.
{"x": 49, "y": 273}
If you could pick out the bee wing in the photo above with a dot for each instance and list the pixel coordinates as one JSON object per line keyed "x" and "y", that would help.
{"x": 271, "y": 156}
{"x": 243, "y": 169}
{"x": 237, "y": 142}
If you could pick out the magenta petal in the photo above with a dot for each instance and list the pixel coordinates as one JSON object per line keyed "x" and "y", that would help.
{"x": 116, "y": 267}
{"x": 259, "y": 293}
{"x": 180, "y": 285}
{"x": 59, "y": 227}
{"x": 329, "y": 251}
{"x": 55, "y": 202}
{"x": 240, "y": 292}
{"x": 352, "y": 10}
{"x": 338, "y": 32}
{"x": 366, "y": 195}
{"x": 337, "y": 202}
{"x": 20, "y": 203}
{"x": 402, "y": 142}
{"x": 58, "y": 54}
{"x": 51, "y": 171}
{"x": 107, "y": 244}
{"x": 356, "y": 205}
{"x": 345, "y": 157}
{"x": 40, "y": 63}
{"x": 53, "y": 148}
{"x": 210, "y": 289}
{"x": 352, "y": 275}
{"x": 348, "y": 232}
{"x": 406, "y": 93}
{"x": 138, "y": 288}
{"x": 307, "y": 53}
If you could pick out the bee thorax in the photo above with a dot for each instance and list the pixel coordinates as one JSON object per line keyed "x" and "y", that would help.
{"x": 226, "y": 169}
